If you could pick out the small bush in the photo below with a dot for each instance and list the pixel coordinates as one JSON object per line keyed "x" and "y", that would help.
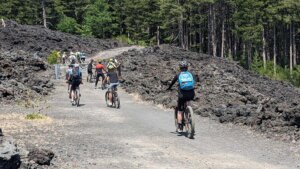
{"x": 124, "y": 39}
{"x": 53, "y": 57}
{"x": 35, "y": 116}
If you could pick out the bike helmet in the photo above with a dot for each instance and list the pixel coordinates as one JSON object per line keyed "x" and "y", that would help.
{"x": 183, "y": 64}
{"x": 111, "y": 60}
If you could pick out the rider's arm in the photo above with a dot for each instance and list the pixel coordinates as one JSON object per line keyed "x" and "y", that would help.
{"x": 173, "y": 81}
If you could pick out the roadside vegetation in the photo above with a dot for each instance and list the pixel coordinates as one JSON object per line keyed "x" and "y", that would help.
{"x": 35, "y": 116}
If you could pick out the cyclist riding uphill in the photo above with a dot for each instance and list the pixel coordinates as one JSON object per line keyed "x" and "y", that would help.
{"x": 186, "y": 81}
{"x": 111, "y": 64}
{"x": 68, "y": 75}
{"x": 90, "y": 67}
{"x": 76, "y": 80}
{"x": 113, "y": 80}
{"x": 100, "y": 70}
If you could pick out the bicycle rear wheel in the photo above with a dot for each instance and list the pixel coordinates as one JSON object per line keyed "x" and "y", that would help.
{"x": 77, "y": 98}
{"x": 190, "y": 122}
{"x": 117, "y": 101}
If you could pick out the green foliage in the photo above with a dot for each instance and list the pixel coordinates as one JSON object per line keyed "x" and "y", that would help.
{"x": 98, "y": 21}
{"x": 282, "y": 74}
{"x": 124, "y": 39}
{"x": 53, "y": 57}
{"x": 68, "y": 24}
{"x": 35, "y": 116}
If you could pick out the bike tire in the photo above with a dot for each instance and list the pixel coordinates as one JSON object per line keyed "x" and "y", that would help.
{"x": 117, "y": 103}
{"x": 78, "y": 100}
{"x": 106, "y": 98}
{"x": 191, "y": 122}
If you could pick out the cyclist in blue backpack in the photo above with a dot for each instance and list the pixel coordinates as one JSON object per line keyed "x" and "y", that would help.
{"x": 75, "y": 80}
{"x": 186, "y": 81}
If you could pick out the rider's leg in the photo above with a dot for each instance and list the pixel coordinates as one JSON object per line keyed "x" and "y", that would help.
{"x": 73, "y": 94}
{"x": 180, "y": 110}
{"x": 103, "y": 77}
{"x": 97, "y": 79}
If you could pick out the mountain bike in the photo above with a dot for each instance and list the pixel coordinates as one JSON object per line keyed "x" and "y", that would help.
{"x": 115, "y": 98}
{"x": 188, "y": 120}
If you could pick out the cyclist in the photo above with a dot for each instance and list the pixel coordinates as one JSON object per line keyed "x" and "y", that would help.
{"x": 111, "y": 64}
{"x": 90, "y": 69}
{"x": 100, "y": 70}
{"x": 76, "y": 80}
{"x": 72, "y": 57}
{"x": 186, "y": 81}
{"x": 113, "y": 80}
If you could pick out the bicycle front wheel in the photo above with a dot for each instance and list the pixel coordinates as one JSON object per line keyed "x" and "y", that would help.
{"x": 117, "y": 102}
{"x": 190, "y": 122}
{"x": 106, "y": 98}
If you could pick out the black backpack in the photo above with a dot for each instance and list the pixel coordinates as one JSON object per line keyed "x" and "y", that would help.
{"x": 76, "y": 77}
{"x": 90, "y": 67}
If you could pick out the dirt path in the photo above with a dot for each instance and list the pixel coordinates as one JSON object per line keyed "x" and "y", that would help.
{"x": 141, "y": 135}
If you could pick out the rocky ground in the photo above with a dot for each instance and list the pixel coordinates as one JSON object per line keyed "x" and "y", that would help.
{"x": 24, "y": 72}
{"x": 36, "y": 39}
{"x": 23, "y": 76}
{"x": 226, "y": 92}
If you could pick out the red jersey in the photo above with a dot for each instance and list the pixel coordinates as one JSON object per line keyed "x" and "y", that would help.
{"x": 99, "y": 68}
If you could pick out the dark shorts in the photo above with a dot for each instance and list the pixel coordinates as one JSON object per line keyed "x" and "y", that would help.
{"x": 74, "y": 86}
{"x": 100, "y": 75}
{"x": 183, "y": 97}
{"x": 90, "y": 72}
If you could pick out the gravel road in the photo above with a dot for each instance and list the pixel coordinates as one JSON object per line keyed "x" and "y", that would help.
{"x": 141, "y": 135}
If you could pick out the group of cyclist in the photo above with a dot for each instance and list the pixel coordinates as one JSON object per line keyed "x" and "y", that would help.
{"x": 107, "y": 73}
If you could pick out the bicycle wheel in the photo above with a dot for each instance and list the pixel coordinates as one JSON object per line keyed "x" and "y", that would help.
{"x": 117, "y": 101}
{"x": 106, "y": 98}
{"x": 78, "y": 99}
{"x": 175, "y": 118}
{"x": 190, "y": 122}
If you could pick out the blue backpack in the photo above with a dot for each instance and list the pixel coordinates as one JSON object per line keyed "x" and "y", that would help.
{"x": 186, "y": 81}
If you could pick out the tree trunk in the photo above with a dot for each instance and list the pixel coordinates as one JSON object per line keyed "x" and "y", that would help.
{"x": 291, "y": 50}
{"x": 235, "y": 47}
{"x": 274, "y": 49}
{"x": 264, "y": 49}
{"x": 213, "y": 34}
{"x": 294, "y": 48}
{"x": 44, "y": 13}
{"x": 158, "y": 36}
{"x": 223, "y": 38}
{"x": 209, "y": 32}
{"x": 249, "y": 55}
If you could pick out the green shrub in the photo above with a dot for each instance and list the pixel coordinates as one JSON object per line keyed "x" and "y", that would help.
{"x": 68, "y": 25}
{"x": 35, "y": 116}
{"x": 53, "y": 57}
{"x": 124, "y": 39}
